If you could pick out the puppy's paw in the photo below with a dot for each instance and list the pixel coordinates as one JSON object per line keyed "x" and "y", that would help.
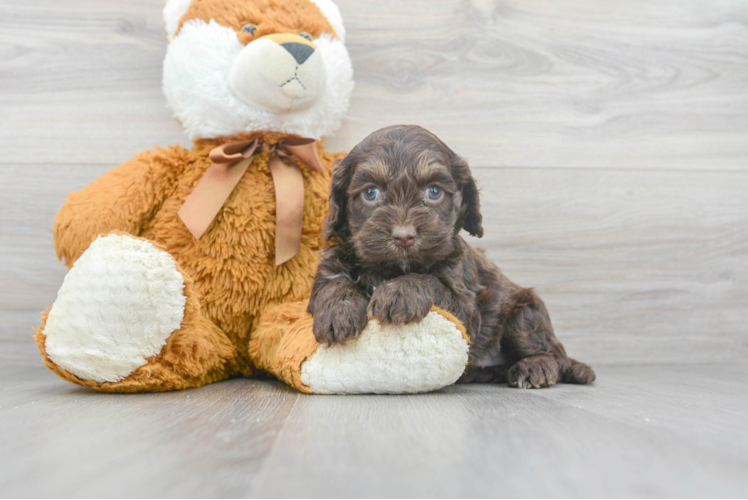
{"x": 340, "y": 321}
{"x": 579, "y": 373}
{"x": 394, "y": 302}
{"x": 534, "y": 372}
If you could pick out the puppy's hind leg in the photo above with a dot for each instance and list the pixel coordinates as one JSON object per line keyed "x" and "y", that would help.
{"x": 579, "y": 373}
{"x": 535, "y": 356}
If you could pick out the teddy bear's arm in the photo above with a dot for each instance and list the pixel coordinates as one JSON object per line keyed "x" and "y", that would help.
{"x": 122, "y": 200}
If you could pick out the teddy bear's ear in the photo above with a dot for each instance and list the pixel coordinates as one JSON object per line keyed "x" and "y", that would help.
{"x": 173, "y": 12}
{"x": 332, "y": 13}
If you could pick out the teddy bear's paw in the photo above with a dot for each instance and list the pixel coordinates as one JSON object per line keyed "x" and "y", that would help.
{"x": 391, "y": 359}
{"x": 116, "y": 307}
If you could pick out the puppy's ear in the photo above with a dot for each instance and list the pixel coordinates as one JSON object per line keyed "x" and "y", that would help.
{"x": 336, "y": 224}
{"x": 469, "y": 217}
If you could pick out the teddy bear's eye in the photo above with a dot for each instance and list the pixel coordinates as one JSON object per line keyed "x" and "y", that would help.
{"x": 304, "y": 34}
{"x": 249, "y": 28}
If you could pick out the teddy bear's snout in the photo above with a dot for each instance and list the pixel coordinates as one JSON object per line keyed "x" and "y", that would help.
{"x": 279, "y": 73}
{"x": 299, "y": 51}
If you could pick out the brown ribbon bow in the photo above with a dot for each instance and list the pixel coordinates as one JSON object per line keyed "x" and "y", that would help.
{"x": 230, "y": 161}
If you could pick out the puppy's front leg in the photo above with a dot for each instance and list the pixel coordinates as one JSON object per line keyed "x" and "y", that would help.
{"x": 339, "y": 310}
{"x": 408, "y": 299}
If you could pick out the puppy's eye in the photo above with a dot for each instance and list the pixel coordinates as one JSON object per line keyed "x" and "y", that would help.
{"x": 304, "y": 34}
{"x": 433, "y": 193}
{"x": 249, "y": 28}
{"x": 371, "y": 194}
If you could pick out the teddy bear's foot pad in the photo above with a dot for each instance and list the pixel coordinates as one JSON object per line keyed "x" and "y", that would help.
{"x": 117, "y": 307}
{"x": 388, "y": 359}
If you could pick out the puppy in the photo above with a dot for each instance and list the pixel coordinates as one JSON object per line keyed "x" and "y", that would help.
{"x": 397, "y": 205}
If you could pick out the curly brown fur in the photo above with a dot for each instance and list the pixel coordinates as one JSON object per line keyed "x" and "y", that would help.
{"x": 397, "y": 205}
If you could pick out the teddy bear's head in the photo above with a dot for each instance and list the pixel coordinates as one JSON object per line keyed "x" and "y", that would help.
{"x": 237, "y": 66}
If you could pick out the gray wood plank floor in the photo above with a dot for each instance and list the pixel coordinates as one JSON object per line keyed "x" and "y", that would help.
{"x": 609, "y": 139}
{"x": 667, "y": 430}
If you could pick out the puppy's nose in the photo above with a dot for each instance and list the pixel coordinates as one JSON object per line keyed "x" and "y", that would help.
{"x": 299, "y": 51}
{"x": 404, "y": 236}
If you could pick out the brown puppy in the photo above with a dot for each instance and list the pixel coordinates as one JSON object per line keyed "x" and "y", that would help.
{"x": 397, "y": 204}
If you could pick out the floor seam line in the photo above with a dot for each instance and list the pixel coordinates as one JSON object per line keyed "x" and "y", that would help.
{"x": 261, "y": 473}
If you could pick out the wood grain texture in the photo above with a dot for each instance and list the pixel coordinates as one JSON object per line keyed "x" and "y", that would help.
{"x": 488, "y": 441}
{"x": 634, "y": 266}
{"x": 540, "y": 83}
{"x": 178, "y": 444}
{"x": 80, "y": 81}
{"x": 653, "y": 431}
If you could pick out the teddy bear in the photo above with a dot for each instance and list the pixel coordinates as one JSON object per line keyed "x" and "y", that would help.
{"x": 190, "y": 266}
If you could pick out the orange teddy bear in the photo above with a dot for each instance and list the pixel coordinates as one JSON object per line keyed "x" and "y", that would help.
{"x": 191, "y": 266}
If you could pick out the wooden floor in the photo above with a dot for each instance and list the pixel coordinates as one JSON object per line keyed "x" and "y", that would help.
{"x": 610, "y": 139}
{"x": 652, "y": 431}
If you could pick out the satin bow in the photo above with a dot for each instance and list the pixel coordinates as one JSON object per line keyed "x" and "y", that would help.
{"x": 230, "y": 161}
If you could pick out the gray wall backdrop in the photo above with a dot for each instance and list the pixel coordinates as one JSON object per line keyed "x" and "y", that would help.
{"x": 610, "y": 138}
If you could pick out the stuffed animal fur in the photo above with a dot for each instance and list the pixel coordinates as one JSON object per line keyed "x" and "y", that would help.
{"x": 147, "y": 306}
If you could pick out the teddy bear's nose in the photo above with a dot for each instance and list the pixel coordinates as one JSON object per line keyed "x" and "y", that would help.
{"x": 299, "y": 51}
